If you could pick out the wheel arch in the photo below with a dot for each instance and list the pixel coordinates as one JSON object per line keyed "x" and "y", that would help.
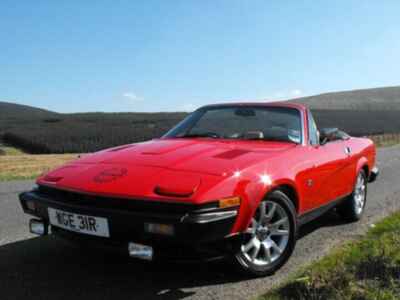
{"x": 285, "y": 187}
{"x": 290, "y": 191}
{"x": 366, "y": 169}
{"x": 362, "y": 164}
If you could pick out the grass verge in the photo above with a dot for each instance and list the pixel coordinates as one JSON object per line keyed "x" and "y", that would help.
{"x": 15, "y": 165}
{"x": 386, "y": 140}
{"x": 363, "y": 270}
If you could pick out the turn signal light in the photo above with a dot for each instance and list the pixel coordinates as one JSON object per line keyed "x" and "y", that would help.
{"x": 164, "y": 229}
{"x": 229, "y": 202}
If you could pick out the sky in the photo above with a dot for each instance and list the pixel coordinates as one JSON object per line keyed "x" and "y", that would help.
{"x": 75, "y": 56}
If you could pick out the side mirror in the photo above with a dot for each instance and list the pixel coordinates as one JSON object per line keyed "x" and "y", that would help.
{"x": 328, "y": 134}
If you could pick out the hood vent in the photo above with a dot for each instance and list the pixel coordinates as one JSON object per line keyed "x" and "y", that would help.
{"x": 231, "y": 154}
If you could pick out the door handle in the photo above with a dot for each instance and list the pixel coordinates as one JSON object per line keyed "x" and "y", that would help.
{"x": 347, "y": 150}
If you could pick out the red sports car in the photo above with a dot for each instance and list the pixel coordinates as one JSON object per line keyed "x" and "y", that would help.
{"x": 230, "y": 180}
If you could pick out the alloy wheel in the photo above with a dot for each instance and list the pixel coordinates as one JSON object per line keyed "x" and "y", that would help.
{"x": 359, "y": 194}
{"x": 268, "y": 234}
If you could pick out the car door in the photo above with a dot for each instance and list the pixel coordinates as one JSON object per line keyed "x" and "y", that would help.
{"x": 333, "y": 160}
{"x": 349, "y": 173}
{"x": 314, "y": 170}
{"x": 314, "y": 177}
{"x": 322, "y": 178}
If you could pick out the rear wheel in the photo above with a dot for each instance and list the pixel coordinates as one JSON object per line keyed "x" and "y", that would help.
{"x": 352, "y": 208}
{"x": 270, "y": 238}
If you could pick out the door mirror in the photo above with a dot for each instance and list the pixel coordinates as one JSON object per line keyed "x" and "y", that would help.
{"x": 328, "y": 134}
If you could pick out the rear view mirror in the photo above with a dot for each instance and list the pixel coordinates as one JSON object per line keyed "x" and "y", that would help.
{"x": 245, "y": 112}
{"x": 328, "y": 134}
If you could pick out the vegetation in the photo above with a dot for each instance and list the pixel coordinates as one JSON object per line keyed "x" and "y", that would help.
{"x": 78, "y": 133}
{"x": 386, "y": 140}
{"x": 17, "y": 165}
{"x": 7, "y": 150}
{"x": 360, "y": 122}
{"x": 362, "y": 270}
{"x": 39, "y": 131}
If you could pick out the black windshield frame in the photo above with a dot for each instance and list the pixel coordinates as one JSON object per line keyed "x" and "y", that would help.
{"x": 183, "y": 128}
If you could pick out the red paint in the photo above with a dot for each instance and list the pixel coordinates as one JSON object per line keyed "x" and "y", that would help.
{"x": 201, "y": 170}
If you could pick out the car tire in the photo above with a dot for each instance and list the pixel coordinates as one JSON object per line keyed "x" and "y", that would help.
{"x": 271, "y": 237}
{"x": 353, "y": 206}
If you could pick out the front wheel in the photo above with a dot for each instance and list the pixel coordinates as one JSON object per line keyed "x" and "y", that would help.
{"x": 353, "y": 206}
{"x": 270, "y": 238}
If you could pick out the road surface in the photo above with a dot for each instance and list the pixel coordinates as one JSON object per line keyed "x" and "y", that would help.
{"x": 39, "y": 268}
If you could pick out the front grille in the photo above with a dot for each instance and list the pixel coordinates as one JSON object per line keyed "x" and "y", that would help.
{"x": 136, "y": 205}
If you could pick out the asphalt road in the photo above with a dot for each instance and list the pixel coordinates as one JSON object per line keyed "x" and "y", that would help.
{"x": 39, "y": 268}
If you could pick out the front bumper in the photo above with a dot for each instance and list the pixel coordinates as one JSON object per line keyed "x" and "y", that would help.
{"x": 200, "y": 232}
{"x": 374, "y": 174}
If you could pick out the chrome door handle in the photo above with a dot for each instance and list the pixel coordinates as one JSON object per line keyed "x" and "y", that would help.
{"x": 347, "y": 150}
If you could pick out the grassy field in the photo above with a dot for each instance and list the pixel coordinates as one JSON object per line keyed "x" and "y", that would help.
{"x": 14, "y": 164}
{"x": 362, "y": 270}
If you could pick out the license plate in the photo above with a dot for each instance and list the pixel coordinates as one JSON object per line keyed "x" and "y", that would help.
{"x": 79, "y": 223}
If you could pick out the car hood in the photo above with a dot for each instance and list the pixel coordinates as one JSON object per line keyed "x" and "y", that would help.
{"x": 168, "y": 167}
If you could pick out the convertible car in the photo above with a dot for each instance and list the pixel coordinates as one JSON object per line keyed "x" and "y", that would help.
{"x": 231, "y": 180}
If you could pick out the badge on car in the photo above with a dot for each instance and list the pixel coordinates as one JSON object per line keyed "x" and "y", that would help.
{"x": 79, "y": 223}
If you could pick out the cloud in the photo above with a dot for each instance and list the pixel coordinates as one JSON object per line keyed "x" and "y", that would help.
{"x": 188, "y": 107}
{"x": 297, "y": 93}
{"x": 132, "y": 97}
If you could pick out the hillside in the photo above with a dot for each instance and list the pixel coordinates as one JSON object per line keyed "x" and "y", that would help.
{"x": 41, "y": 131}
{"x": 19, "y": 111}
{"x": 383, "y": 99}
{"x": 359, "y": 112}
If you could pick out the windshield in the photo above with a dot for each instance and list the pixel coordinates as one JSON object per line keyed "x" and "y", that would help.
{"x": 241, "y": 122}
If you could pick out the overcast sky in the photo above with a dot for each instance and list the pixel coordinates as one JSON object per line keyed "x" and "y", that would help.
{"x": 71, "y": 56}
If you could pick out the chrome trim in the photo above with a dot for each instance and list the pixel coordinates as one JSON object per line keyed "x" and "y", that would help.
{"x": 209, "y": 217}
{"x": 303, "y": 132}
